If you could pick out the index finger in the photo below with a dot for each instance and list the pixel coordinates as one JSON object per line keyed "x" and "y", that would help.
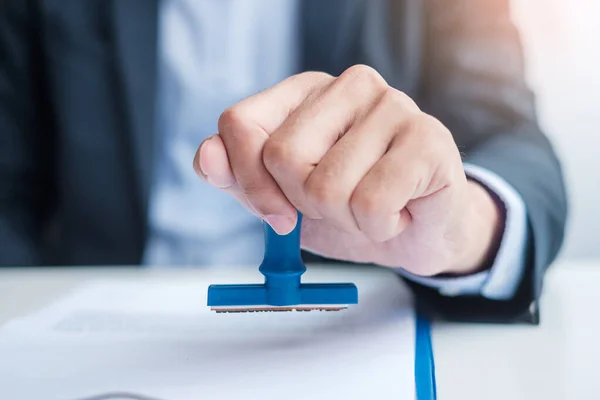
{"x": 245, "y": 128}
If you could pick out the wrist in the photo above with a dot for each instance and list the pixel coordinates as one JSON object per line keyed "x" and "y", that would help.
{"x": 484, "y": 225}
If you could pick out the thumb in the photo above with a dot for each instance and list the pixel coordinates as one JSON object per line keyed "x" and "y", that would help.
{"x": 212, "y": 164}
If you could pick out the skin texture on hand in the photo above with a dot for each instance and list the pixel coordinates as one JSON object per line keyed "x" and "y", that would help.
{"x": 377, "y": 180}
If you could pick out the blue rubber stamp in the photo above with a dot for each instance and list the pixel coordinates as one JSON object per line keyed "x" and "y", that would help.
{"x": 282, "y": 289}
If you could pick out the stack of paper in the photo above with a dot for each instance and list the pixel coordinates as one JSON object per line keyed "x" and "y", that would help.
{"x": 158, "y": 339}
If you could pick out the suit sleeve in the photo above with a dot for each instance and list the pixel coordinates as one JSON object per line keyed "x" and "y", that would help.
{"x": 25, "y": 138}
{"x": 474, "y": 82}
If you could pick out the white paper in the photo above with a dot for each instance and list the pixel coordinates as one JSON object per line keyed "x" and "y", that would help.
{"x": 158, "y": 339}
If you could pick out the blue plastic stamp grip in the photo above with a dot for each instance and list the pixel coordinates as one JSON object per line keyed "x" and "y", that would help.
{"x": 282, "y": 268}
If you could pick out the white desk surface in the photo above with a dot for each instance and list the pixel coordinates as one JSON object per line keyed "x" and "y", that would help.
{"x": 560, "y": 359}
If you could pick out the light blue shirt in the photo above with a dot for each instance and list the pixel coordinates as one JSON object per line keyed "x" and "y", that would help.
{"x": 212, "y": 54}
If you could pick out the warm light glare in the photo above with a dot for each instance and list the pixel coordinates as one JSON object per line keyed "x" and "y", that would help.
{"x": 569, "y": 25}
{"x": 562, "y": 46}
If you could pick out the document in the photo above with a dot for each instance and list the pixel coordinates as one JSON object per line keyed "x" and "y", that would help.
{"x": 157, "y": 339}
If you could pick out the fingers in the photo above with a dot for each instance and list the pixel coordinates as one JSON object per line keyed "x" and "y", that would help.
{"x": 271, "y": 107}
{"x": 212, "y": 165}
{"x": 332, "y": 182}
{"x": 245, "y": 128}
{"x": 300, "y": 143}
{"x": 351, "y": 151}
{"x": 244, "y": 142}
{"x": 379, "y": 202}
{"x": 415, "y": 167}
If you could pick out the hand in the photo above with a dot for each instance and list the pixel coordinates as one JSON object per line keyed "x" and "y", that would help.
{"x": 377, "y": 180}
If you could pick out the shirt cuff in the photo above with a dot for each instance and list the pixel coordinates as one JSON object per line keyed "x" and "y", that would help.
{"x": 501, "y": 281}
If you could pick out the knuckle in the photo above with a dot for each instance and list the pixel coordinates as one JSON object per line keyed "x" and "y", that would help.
{"x": 320, "y": 192}
{"x": 366, "y": 204}
{"x": 364, "y": 73}
{"x": 256, "y": 194}
{"x": 419, "y": 129}
{"x": 231, "y": 121}
{"x": 419, "y": 132}
{"x": 399, "y": 100}
{"x": 437, "y": 149}
{"x": 317, "y": 77}
{"x": 432, "y": 135}
{"x": 363, "y": 76}
{"x": 312, "y": 81}
{"x": 278, "y": 155}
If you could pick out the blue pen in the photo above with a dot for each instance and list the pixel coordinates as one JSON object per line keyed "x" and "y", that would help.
{"x": 282, "y": 289}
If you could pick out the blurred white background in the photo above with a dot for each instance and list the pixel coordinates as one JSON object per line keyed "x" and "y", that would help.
{"x": 562, "y": 42}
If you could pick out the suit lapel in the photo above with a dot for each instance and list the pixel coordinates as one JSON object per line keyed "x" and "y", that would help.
{"x": 135, "y": 41}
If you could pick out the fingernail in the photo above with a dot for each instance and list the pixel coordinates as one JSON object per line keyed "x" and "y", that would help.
{"x": 282, "y": 224}
{"x": 199, "y": 160}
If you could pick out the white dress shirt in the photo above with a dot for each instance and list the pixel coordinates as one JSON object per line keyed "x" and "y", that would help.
{"x": 213, "y": 53}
